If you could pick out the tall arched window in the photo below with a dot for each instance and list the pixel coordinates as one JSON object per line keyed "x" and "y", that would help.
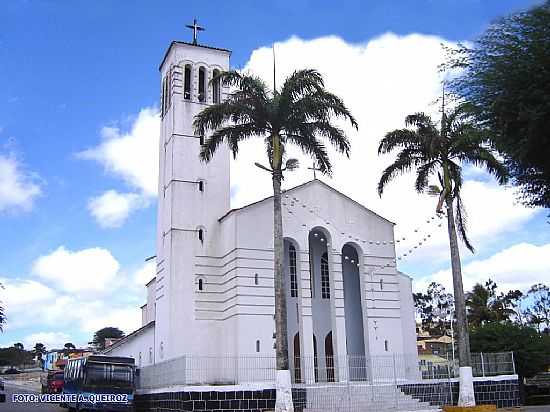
{"x": 200, "y": 234}
{"x": 201, "y": 284}
{"x": 325, "y": 281}
{"x": 187, "y": 82}
{"x": 256, "y": 279}
{"x": 292, "y": 271}
{"x": 297, "y": 361}
{"x": 381, "y": 284}
{"x": 216, "y": 87}
{"x": 315, "y": 363}
{"x": 329, "y": 356}
{"x": 257, "y": 346}
{"x": 202, "y": 84}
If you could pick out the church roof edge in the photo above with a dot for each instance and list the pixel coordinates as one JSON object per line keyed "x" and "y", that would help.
{"x": 189, "y": 44}
{"x": 303, "y": 185}
{"x": 129, "y": 336}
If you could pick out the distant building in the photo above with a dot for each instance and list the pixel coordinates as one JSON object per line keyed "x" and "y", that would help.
{"x": 57, "y": 358}
{"x": 434, "y": 345}
{"x": 111, "y": 341}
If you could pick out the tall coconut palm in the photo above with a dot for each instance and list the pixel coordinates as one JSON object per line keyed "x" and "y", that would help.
{"x": 442, "y": 152}
{"x": 298, "y": 114}
{"x": 484, "y": 304}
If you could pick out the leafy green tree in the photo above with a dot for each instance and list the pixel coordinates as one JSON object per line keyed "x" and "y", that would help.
{"x": 435, "y": 308}
{"x": 19, "y": 346}
{"x": 298, "y": 114}
{"x": 69, "y": 346}
{"x": 15, "y": 356}
{"x": 442, "y": 152}
{"x": 507, "y": 78}
{"x": 484, "y": 304}
{"x": 109, "y": 332}
{"x": 39, "y": 349}
{"x": 539, "y": 311}
{"x": 531, "y": 349}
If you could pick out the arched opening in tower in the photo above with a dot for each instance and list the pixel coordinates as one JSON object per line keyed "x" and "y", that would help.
{"x": 353, "y": 310}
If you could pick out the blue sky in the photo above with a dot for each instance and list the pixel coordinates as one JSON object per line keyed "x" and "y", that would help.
{"x": 74, "y": 74}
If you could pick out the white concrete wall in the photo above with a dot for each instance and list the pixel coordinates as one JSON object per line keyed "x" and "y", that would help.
{"x": 139, "y": 347}
{"x": 183, "y": 209}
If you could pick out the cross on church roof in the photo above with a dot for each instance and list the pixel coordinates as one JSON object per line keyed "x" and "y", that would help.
{"x": 196, "y": 28}
{"x": 314, "y": 170}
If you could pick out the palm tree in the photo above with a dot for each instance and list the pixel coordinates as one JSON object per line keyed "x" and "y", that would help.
{"x": 485, "y": 305}
{"x": 298, "y": 114}
{"x": 479, "y": 304}
{"x": 431, "y": 151}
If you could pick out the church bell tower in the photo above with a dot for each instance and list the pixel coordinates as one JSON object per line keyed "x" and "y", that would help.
{"x": 193, "y": 195}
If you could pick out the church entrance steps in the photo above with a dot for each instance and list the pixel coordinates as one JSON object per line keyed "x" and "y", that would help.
{"x": 361, "y": 397}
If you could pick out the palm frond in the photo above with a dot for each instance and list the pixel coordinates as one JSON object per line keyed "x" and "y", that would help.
{"x": 318, "y": 106}
{"x": 314, "y": 148}
{"x": 292, "y": 164}
{"x": 402, "y": 164}
{"x": 420, "y": 121}
{"x": 461, "y": 219}
{"x": 333, "y": 134}
{"x": 455, "y": 175}
{"x": 399, "y": 138}
{"x": 231, "y": 135}
{"x": 423, "y": 174}
{"x": 302, "y": 82}
{"x": 245, "y": 83}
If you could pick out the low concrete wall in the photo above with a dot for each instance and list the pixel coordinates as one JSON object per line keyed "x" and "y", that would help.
{"x": 215, "y": 400}
{"x": 502, "y": 391}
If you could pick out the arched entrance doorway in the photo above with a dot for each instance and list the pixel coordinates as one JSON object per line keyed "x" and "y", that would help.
{"x": 353, "y": 310}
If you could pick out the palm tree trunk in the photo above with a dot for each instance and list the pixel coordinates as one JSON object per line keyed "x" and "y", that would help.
{"x": 466, "y": 395}
{"x": 283, "y": 385}
{"x": 280, "y": 298}
{"x": 458, "y": 288}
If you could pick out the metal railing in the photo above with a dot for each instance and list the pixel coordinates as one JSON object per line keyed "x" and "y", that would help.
{"x": 309, "y": 370}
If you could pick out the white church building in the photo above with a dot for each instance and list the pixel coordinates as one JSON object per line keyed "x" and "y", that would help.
{"x": 213, "y": 293}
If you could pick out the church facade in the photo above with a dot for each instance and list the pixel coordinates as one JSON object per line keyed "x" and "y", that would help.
{"x": 213, "y": 293}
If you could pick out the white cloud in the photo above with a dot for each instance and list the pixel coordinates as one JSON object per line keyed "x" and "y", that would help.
{"x": 18, "y": 188}
{"x": 145, "y": 273}
{"x": 381, "y": 81}
{"x": 82, "y": 296}
{"x": 18, "y": 295}
{"x": 127, "y": 319}
{"x": 111, "y": 209}
{"x": 52, "y": 340}
{"x": 132, "y": 155}
{"x": 91, "y": 269}
{"x": 517, "y": 267}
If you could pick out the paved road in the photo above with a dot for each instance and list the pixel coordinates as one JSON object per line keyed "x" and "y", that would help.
{"x": 24, "y": 407}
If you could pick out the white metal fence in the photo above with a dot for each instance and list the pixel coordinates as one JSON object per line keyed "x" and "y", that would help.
{"x": 392, "y": 369}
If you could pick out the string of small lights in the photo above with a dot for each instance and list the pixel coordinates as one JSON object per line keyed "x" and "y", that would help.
{"x": 292, "y": 205}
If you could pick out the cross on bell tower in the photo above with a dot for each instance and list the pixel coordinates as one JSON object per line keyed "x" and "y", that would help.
{"x": 196, "y": 28}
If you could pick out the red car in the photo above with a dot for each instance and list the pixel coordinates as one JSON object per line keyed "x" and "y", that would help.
{"x": 53, "y": 382}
